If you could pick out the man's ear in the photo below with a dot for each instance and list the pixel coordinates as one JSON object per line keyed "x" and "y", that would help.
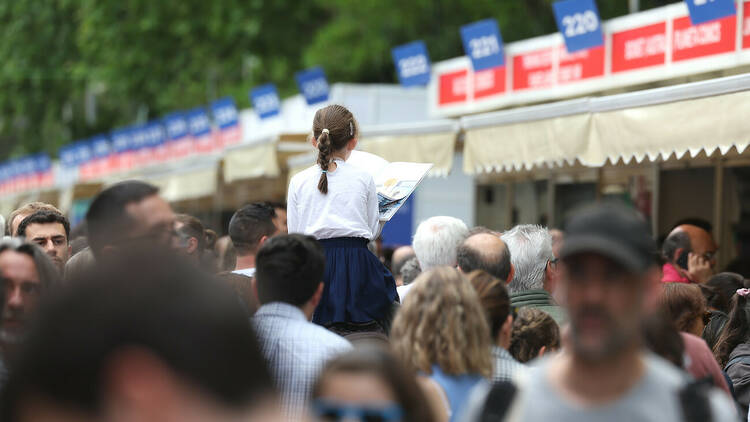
{"x": 70, "y": 251}
{"x": 542, "y": 351}
{"x": 192, "y": 245}
{"x": 677, "y": 254}
{"x": 511, "y": 274}
{"x": 315, "y": 299}
{"x": 262, "y": 241}
{"x": 507, "y": 325}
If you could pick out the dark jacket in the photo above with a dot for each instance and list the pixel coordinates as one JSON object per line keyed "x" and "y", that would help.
{"x": 542, "y": 300}
{"x": 739, "y": 373}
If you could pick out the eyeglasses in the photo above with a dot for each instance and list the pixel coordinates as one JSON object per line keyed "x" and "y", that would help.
{"x": 332, "y": 412}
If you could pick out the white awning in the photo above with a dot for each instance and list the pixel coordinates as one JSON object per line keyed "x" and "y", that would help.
{"x": 250, "y": 161}
{"x": 432, "y": 141}
{"x": 656, "y": 123}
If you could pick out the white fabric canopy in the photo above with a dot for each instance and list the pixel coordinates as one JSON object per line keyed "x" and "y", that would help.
{"x": 690, "y": 118}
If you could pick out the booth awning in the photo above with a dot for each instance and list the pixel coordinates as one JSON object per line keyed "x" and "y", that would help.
{"x": 188, "y": 184}
{"x": 251, "y": 161}
{"x": 689, "y": 118}
{"x": 420, "y": 142}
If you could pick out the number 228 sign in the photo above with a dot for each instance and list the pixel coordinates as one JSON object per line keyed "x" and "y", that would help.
{"x": 579, "y": 23}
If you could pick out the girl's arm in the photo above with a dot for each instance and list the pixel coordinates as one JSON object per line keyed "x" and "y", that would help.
{"x": 291, "y": 209}
{"x": 373, "y": 214}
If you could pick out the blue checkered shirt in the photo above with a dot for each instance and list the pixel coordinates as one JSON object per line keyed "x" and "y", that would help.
{"x": 505, "y": 365}
{"x": 296, "y": 351}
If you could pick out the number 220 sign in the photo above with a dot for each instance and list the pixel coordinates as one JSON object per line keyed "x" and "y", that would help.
{"x": 579, "y": 23}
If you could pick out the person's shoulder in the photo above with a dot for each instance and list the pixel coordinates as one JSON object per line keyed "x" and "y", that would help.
{"x": 665, "y": 372}
{"x": 303, "y": 175}
{"x": 357, "y": 173}
{"x": 326, "y": 338}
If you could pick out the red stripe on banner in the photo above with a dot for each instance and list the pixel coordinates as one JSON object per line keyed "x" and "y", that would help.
{"x": 640, "y": 47}
{"x": 453, "y": 87}
{"x": 231, "y": 135}
{"x": 706, "y": 39}
{"x": 489, "y": 82}
{"x": 580, "y": 65}
{"x": 533, "y": 70}
{"x": 205, "y": 144}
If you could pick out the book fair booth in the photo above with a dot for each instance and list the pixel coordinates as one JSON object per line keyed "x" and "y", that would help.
{"x": 656, "y": 116}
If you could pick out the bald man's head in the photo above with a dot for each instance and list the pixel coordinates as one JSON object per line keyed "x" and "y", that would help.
{"x": 486, "y": 252}
{"x": 687, "y": 238}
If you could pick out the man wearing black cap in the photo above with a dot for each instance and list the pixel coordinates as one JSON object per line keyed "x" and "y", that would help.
{"x": 604, "y": 373}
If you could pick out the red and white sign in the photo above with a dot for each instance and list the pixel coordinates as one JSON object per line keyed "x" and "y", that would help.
{"x": 640, "y": 47}
{"x": 453, "y": 87}
{"x": 706, "y": 39}
{"x": 534, "y": 70}
{"x": 581, "y": 65}
{"x": 489, "y": 82}
{"x": 654, "y": 45}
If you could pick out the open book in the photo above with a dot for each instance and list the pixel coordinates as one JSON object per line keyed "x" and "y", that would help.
{"x": 395, "y": 182}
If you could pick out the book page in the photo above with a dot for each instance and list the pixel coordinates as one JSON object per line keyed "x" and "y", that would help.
{"x": 395, "y": 183}
{"x": 398, "y": 180}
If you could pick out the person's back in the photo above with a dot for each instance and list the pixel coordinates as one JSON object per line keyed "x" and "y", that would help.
{"x": 339, "y": 213}
{"x": 289, "y": 270}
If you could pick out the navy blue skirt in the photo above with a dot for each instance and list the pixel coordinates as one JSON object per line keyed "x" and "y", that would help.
{"x": 357, "y": 286}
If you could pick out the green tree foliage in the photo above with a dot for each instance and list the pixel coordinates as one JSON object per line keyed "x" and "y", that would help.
{"x": 73, "y": 68}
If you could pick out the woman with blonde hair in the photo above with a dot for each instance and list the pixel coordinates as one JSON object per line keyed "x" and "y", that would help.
{"x": 441, "y": 332}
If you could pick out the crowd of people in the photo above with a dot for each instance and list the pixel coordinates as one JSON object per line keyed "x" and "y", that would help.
{"x": 141, "y": 314}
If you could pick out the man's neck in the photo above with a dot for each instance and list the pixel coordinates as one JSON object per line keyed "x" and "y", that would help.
{"x": 245, "y": 262}
{"x": 592, "y": 383}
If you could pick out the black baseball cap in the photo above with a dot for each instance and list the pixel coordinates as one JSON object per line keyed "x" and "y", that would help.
{"x": 611, "y": 230}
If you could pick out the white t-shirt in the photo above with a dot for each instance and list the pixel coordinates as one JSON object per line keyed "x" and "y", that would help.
{"x": 350, "y": 209}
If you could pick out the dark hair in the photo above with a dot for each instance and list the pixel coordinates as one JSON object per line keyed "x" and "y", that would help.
{"x": 381, "y": 363}
{"x": 532, "y": 330}
{"x": 677, "y": 240}
{"x": 494, "y": 299}
{"x": 289, "y": 268}
{"x": 147, "y": 299}
{"x": 470, "y": 259}
{"x": 29, "y": 209}
{"x": 333, "y": 127}
{"x": 736, "y": 330}
{"x": 107, "y": 218}
{"x": 48, "y": 273}
{"x": 45, "y": 217}
{"x": 682, "y": 304}
{"x": 720, "y": 288}
{"x": 249, "y": 224}
{"x": 277, "y": 205}
{"x": 662, "y": 337}
{"x": 714, "y": 328}
{"x": 192, "y": 227}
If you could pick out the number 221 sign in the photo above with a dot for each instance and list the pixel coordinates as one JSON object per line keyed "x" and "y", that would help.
{"x": 579, "y": 23}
